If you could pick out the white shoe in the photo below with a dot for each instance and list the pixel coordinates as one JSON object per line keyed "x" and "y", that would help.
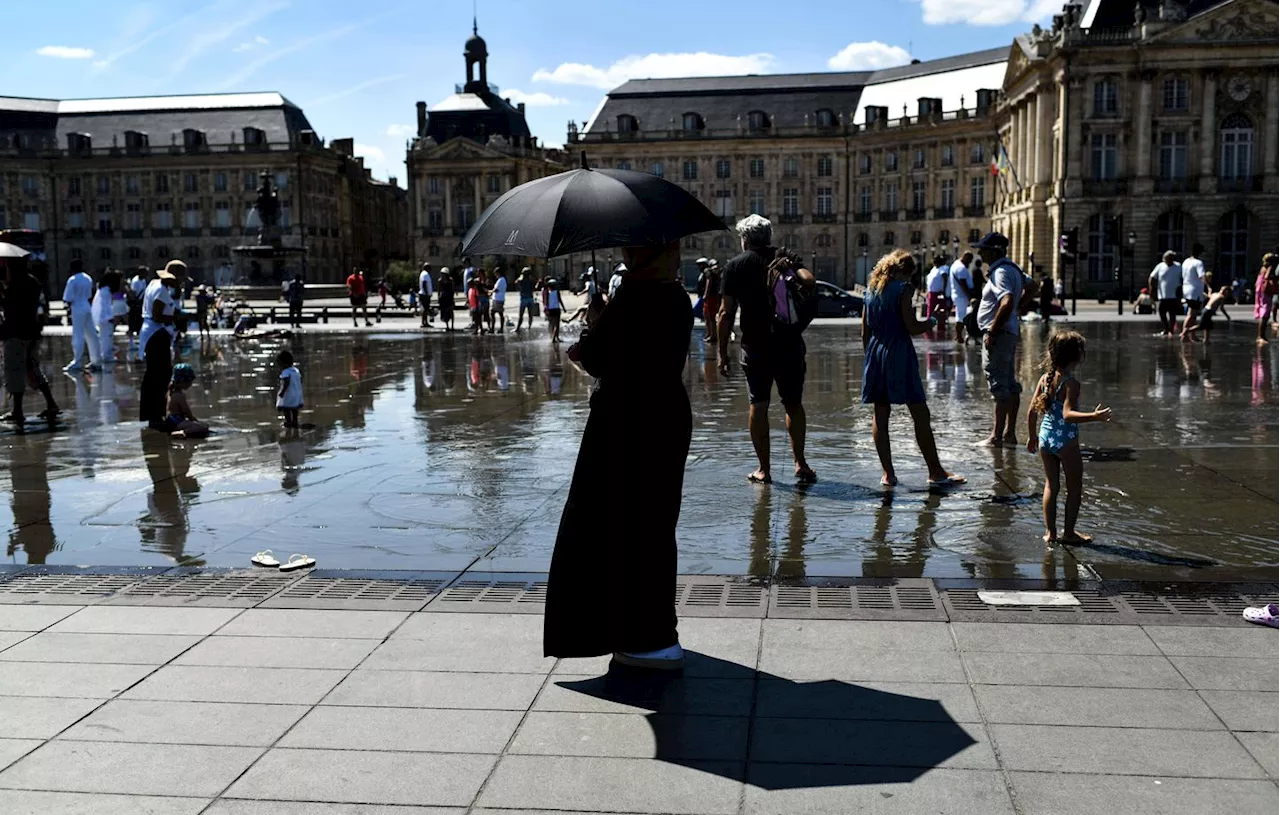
{"x": 670, "y": 658}
{"x": 72, "y": 366}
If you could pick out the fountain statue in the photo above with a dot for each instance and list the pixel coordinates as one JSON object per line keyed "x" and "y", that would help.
{"x": 270, "y": 245}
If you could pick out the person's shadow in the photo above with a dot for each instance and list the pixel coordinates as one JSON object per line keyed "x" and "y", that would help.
{"x": 799, "y": 734}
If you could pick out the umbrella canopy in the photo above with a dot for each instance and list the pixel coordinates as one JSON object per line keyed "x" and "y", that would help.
{"x": 583, "y": 210}
{"x": 8, "y": 250}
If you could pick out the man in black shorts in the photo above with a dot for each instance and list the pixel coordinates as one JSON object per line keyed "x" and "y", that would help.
{"x": 772, "y": 354}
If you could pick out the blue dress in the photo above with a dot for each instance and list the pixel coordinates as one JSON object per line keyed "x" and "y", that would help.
{"x": 891, "y": 370}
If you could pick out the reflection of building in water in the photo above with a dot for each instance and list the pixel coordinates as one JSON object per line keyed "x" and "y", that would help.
{"x": 29, "y": 500}
{"x": 165, "y": 527}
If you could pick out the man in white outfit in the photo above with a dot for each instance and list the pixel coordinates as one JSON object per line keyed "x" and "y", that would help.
{"x": 103, "y": 310}
{"x": 962, "y": 291}
{"x": 426, "y": 288}
{"x": 78, "y": 297}
{"x": 1192, "y": 288}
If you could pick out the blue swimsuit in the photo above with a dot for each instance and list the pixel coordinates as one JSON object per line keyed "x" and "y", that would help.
{"x": 1056, "y": 432}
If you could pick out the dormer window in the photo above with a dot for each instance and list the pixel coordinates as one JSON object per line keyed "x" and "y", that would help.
{"x": 253, "y": 137}
{"x": 692, "y": 123}
{"x": 758, "y": 120}
{"x": 826, "y": 118}
{"x": 194, "y": 140}
{"x": 79, "y": 143}
{"x": 135, "y": 141}
{"x": 628, "y": 123}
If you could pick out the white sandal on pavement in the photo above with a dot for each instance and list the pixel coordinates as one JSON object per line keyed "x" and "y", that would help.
{"x": 1263, "y": 615}
{"x": 265, "y": 558}
{"x": 297, "y": 561}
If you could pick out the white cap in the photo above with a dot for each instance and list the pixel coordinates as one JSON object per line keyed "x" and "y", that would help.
{"x": 702, "y": 261}
{"x": 622, "y": 267}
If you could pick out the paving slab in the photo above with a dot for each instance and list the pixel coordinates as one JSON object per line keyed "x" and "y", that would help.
{"x": 450, "y": 650}
{"x": 67, "y": 679}
{"x": 814, "y": 789}
{"x": 154, "y": 722}
{"x": 273, "y": 652}
{"x": 227, "y": 806}
{"x": 686, "y": 695}
{"x": 1054, "y": 638}
{"x": 31, "y": 802}
{"x": 868, "y": 665}
{"x": 13, "y": 749}
{"x": 602, "y": 784}
{"x": 196, "y": 683}
{"x": 1227, "y": 673}
{"x": 127, "y": 649}
{"x": 632, "y": 735}
{"x": 890, "y": 744}
{"x": 365, "y": 777}
{"x": 407, "y": 729}
{"x": 884, "y": 701}
{"x": 1075, "y": 670}
{"x": 474, "y": 691}
{"x": 1263, "y": 747}
{"x": 857, "y": 635}
{"x": 1096, "y": 707}
{"x": 141, "y": 769}
{"x": 1121, "y": 751}
{"x": 1203, "y": 641}
{"x": 145, "y": 620}
{"x": 719, "y": 647}
{"x": 11, "y": 638}
{"x": 270, "y": 622}
{"x": 1055, "y": 794}
{"x": 1244, "y": 709}
{"x": 33, "y": 617}
{"x": 35, "y": 717}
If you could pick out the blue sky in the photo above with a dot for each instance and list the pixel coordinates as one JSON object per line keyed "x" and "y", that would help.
{"x": 358, "y": 68}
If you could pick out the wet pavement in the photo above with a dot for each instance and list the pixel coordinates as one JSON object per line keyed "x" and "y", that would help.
{"x": 449, "y": 452}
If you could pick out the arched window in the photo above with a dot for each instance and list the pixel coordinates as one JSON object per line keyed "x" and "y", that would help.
{"x": 1171, "y": 232}
{"x": 758, "y": 120}
{"x": 692, "y": 242}
{"x": 692, "y": 122}
{"x": 1102, "y": 255}
{"x": 1233, "y": 245}
{"x": 1237, "y": 147}
{"x": 627, "y": 123}
{"x": 826, "y": 118}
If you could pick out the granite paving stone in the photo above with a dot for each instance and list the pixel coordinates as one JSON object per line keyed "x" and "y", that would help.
{"x": 1097, "y": 707}
{"x": 227, "y": 806}
{"x": 1263, "y": 747}
{"x": 474, "y": 691}
{"x": 601, "y": 784}
{"x": 409, "y": 729}
{"x": 815, "y": 789}
{"x": 451, "y": 653}
{"x": 860, "y": 665}
{"x": 1214, "y": 641}
{"x": 33, "y": 617}
{"x": 1123, "y": 751}
{"x": 127, "y": 649}
{"x": 142, "y": 769}
{"x": 1077, "y": 670}
{"x": 154, "y": 722}
{"x": 893, "y": 744}
{"x": 145, "y": 620}
{"x": 1054, "y": 638}
{"x": 365, "y": 777}
{"x": 13, "y": 749}
{"x": 1244, "y": 709}
{"x": 855, "y": 635}
{"x": 67, "y": 679}
{"x": 271, "y": 652}
{"x": 11, "y": 638}
{"x": 1227, "y": 673}
{"x": 37, "y": 717}
{"x": 715, "y": 647}
{"x": 197, "y": 683}
{"x": 1055, "y": 794}
{"x": 892, "y": 701}
{"x": 631, "y": 735}
{"x": 303, "y": 623}
{"x": 34, "y": 802}
{"x": 689, "y": 696}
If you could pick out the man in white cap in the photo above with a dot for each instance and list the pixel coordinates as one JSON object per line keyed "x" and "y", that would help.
{"x": 159, "y": 313}
{"x": 78, "y": 296}
{"x": 616, "y": 280}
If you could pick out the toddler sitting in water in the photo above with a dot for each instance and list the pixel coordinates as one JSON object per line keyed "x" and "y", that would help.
{"x": 181, "y": 421}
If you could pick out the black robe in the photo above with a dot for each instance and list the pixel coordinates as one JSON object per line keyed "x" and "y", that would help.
{"x": 613, "y": 574}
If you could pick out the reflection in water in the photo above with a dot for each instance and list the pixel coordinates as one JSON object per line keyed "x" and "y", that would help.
{"x": 29, "y": 500}
{"x": 165, "y": 527}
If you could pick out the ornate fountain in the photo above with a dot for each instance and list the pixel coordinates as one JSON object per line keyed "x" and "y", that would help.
{"x": 270, "y": 245}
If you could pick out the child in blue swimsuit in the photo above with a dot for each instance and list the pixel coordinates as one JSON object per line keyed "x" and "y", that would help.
{"x": 1058, "y": 442}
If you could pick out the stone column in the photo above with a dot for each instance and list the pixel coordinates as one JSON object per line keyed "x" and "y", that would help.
{"x": 479, "y": 209}
{"x": 1064, "y": 135}
{"x": 447, "y": 181}
{"x": 1269, "y": 134}
{"x": 1044, "y": 138}
{"x": 1208, "y": 125}
{"x": 1142, "y": 129}
{"x": 1028, "y": 141}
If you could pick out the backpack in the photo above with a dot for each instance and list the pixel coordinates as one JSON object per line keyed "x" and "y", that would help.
{"x": 794, "y": 304}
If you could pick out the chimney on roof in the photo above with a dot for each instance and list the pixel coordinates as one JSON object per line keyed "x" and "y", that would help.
{"x": 391, "y": 180}
{"x": 346, "y": 147}
{"x": 422, "y": 119}
{"x": 520, "y": 107}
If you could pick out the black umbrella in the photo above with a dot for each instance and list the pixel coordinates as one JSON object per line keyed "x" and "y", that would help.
{"x": 583, "y": 210}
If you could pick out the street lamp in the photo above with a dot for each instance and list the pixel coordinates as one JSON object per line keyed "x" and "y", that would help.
{"x": 1133, "y": 239}
{"x": 865, "y": 271}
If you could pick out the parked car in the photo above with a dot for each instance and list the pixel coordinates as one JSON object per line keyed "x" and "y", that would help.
{"x": 834, "y": 301}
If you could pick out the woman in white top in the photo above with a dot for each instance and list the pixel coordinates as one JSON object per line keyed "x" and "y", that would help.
{"x": 156, "y": 342}
{"x": 103, "y": 311}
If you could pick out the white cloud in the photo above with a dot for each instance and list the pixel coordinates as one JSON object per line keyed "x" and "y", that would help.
{"x": 249, "y": 45}
{"x": 354, "y": 89}
{"x": 65, "y": 52}
{"x": 868, "y": 56}
{"x": 655, "y": 66}
{"x": 400, "y": 131}
{"x": 206, "y": 37}
{"x": 533, "y": 100}
{"x": 323, "y": 37}
{"x": 371, "y": 153}
{"x": 988, "y": 12}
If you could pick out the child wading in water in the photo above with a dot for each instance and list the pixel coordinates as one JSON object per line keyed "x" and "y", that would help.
{"x": 289, "y": 399}
{"x": 1056, "y": 397}
{"x": 182, "y": 422}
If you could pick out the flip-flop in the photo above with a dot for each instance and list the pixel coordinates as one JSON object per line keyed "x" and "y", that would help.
{"x": 1263, "y": 615}
{"x": 807, "y": 476}
{"x": 297, "y": 561}
{"x": 265, "y": 558}
{"x": 888, "y": 482}
{"x": 757, "y": 479}
{"x": 949, "y": 481}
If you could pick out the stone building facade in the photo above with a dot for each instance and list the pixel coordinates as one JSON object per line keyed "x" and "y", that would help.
{"x": 470, "y": 149}
{"x": 127, "y": 182}
{"x": 1169, "y": 111}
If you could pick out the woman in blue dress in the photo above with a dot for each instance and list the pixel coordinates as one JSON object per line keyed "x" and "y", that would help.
{"x": 891, "y": 371}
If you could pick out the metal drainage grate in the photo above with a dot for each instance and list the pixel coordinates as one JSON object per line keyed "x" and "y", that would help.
{"x": 852, "y": 599}
{"x": 1168, "y": 606}
{"x": 501, "y": 596}
{"x": 53, "y": 586}
{"x": 713, "y": 596}
{"x": 236, "y": 589}
{"x": 358, "y": 593}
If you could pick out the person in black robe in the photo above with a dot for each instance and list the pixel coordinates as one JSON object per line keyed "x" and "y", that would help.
{"x": 613, "y": 573}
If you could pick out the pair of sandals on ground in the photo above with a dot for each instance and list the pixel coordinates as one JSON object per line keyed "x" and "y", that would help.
{"x": 267, "y": 559}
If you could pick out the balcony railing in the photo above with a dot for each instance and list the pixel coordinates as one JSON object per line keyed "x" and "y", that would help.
{"x": 1245, "y": 184}
{"x": 944, "y": 212}
{"x": 792, "y": 219}
{"x": 974, "y": 211}
{"x": 915, "y": 215}
{"x": 824, "y": 218}
{"x": 1174, "y": 185}
{"x": 889, "y": 215}
{"x": 862, "y": 217}
{"x": 191, "y": 232}
{"x": 131, "y": 233}
{"x": 1103, "y": 187}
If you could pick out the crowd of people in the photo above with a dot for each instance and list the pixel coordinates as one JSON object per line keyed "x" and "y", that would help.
{"x": 1185, "y": 289}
